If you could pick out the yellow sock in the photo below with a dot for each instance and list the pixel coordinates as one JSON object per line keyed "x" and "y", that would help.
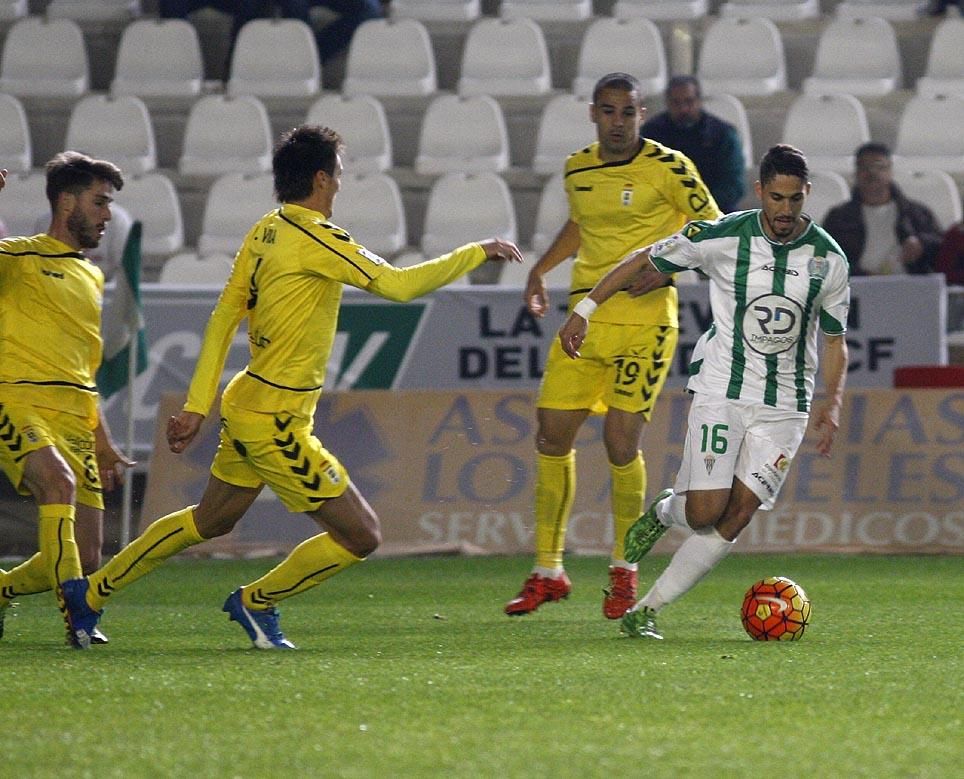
{"x": 555, "y": 491}
{"x": 58, "y": 550}
{"x": 628, "y": 491}
{"x": 310, "y": 563}
{"x": 164, "y": 538}
{"x": 27, "y": 578}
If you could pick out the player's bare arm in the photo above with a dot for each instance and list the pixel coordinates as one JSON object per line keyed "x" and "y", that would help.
{"x": 181, "y": 430}
{"x": 632, "y": 268}
{"x": 564, "y": 246}
{"x": 827, "y": 414}
{"x": 111, "y": 461}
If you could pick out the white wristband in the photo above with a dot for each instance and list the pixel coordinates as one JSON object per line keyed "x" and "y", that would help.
{"x": 585, "y": 307}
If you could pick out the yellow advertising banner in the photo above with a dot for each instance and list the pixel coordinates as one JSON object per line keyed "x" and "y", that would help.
{"x": 453, "y": 471}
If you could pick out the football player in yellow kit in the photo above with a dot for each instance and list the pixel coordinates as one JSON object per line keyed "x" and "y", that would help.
{"x": 625, "y": 192}
{"x": 54, "y": 442}
{"x": 287, "y": 280}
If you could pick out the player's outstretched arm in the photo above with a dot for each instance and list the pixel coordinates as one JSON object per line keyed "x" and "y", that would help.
{"x": 404, "y": 284}
{"x": 573, "y": 330}
{"x": 182, "y": 428}
{"x": 827, "y": 414}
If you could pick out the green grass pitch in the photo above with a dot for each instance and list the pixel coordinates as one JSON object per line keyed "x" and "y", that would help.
{"x": 407, "y": 667}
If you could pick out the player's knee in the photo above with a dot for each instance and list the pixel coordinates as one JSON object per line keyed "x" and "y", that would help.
{"x": 56, "y": 484}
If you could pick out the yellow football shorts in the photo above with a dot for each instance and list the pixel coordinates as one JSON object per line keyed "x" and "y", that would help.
{"x": 621, "y": 366}
{"x": 25, "y": 429}
{"x": 278, "y": 450}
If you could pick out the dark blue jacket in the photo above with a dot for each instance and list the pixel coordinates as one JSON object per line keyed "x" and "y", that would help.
{"x": 714, "y": 147}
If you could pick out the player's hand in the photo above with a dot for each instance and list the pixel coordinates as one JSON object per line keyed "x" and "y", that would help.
{"x": 112, "y": 464}
{"x": 535, "y": 295}
{"x": 826, "y": 423}
{"x": 498, "y": 249}
{"x": 572, "y": 334}
{"x": 181, "y": 430}
{"x": 647, "y": 280}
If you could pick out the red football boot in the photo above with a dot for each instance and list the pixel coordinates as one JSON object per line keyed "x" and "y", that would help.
{"x": 621, "y": 592}
{"x": 536, "y": 591}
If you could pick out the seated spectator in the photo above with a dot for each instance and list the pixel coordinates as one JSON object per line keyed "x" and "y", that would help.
{"x": 712, "y": 144}
{"x": 880, "y": 229}
{"x": 950, "y": 255}
{"x": 243, "y": 12}
{"x": 334, "y": 37}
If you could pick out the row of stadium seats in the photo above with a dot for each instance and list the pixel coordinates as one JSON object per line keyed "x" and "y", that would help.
{"x": 459, "y": 205}
{"x": 278, "y": 58}
{"x": 223, "y": 134}
{"x": 543, "y": 10}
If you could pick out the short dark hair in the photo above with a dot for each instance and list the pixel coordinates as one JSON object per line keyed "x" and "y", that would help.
{"x": 683, "y": 81}
{"x": 785, "y": 160}
{"x": 872, "y": 147}
{"x": 71, "y": 171}
{"x": 300, "y": 153}
{"x": 617, "y": 81}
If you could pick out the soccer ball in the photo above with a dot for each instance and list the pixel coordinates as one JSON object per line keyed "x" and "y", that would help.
{"x": 775, "y": 609}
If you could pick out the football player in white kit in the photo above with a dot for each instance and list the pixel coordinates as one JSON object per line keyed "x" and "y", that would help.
{"x": 775, "y": 278}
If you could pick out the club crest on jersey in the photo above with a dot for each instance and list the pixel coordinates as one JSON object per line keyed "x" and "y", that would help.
{"x": 818, "y": 267}
{"x": 782, "y": 463}
{"x": 627, "y": 195}
{"x": 709, "y": 461}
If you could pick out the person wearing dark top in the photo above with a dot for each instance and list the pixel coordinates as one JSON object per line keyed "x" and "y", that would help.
{"x": 880, "y": 229}
{"x": 712, "y": 144}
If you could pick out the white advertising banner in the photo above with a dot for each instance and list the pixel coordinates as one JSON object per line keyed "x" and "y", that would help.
{"x": 483, "y": 338}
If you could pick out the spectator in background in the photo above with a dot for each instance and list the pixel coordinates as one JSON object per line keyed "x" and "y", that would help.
{"x": 242, "y": 11}
{"x": 950, "y": 255}
{"x": 712, "y": 144}
{"x": 880, "y": 229}
{"x": 109, "y": 253}
{"x": 334, "y": 37}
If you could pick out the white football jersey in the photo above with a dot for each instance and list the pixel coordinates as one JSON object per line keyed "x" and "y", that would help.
{"x": 767, "y": 299}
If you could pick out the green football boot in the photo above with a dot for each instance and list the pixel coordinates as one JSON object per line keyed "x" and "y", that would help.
{"x": 640, "y": 624}
{"x": 645, "y": 532}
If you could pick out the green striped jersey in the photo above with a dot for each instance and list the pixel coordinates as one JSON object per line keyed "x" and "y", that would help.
{"x": 767, "y": 300}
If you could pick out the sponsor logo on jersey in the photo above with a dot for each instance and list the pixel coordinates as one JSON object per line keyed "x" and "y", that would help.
{"x": 786, "y": 271}
{"x": 762, "y": 479}
{"x": 371, "y": 256}
{"x": 660, "y": 248}
{"x": 771, "y": 324}
{"x": 692, "y": 229}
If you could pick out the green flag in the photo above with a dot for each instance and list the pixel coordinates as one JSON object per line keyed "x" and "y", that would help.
{"x": 122, "y": 323}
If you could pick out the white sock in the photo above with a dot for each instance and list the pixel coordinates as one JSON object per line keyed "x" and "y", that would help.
{"x": 548, "y": 573}
{"x": 695, "y": 558}
{"x": 672, "y": 511}
{"x": 614, "y": 563}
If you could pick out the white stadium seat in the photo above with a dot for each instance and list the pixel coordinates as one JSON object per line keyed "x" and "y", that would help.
{"x": 936, "y": 189}
{"x": 564, "y": 127}
{"x": 505, "y": 57}
{"x": 158, "y": 57}
{"x": 234, "y": 202}
{"x": 226, "y": 134}
{"x": 463, "y": 206}
{"x": 16, "y": 147}
{"x": 462, "y": 134}
{"x": 742, "y": 57}
{"x": 361, "y": 120}
{"x": 629, "y": 45}
{"x": 929, "y": 134}
{"x": 152, "y": 199}
{"x": 857, "y": 57}
{"x": 115, "y": 128}
{"x": 731, "y": 109}
{"x": 370, "y": 208}
{"x": 190, "y": 268}
{"x": 23, "y": 199}
{"x": 661, "y": 10}
{"x": 944, "y": 74}
{"x": 44, "y": 58}
{"x": 275, "y": 57}
{"x": 829, "y": 128}
{"x": 390, "y": 57}
{"x": 828, "y": 189}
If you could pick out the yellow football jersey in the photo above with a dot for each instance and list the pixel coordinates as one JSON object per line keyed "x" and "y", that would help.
{"x": 623, "y": 206}
{"x": 287, "y": 280}
{"x": 50, "y": 344}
